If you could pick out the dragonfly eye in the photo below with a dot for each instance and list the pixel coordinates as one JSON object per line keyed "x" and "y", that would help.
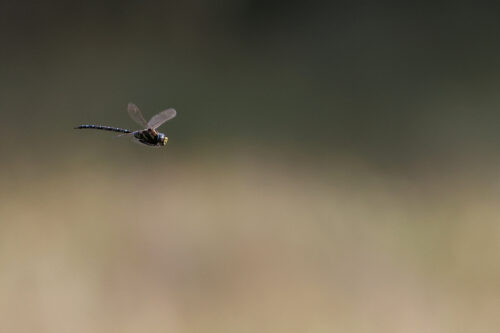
{"x": 162, "y": 139}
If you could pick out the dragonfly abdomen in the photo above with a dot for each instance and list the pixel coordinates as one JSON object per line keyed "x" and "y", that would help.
{"x": 104, "y": 128}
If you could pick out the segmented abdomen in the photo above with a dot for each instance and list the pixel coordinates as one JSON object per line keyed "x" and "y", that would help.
{"x": 104, "y": 128}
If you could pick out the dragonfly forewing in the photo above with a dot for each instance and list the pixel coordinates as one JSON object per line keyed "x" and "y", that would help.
{"x": 161, "y": 118}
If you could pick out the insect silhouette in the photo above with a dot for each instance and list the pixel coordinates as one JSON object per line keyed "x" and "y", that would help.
{"x": 148, "y": 134}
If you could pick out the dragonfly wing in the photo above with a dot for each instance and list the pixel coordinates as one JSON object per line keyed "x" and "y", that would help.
{"x": 161, "y": 118}
{"x": 136, "y": 115}
{"x": 124, "y": 134}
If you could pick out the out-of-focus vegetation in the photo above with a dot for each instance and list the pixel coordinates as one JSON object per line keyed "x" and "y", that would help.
{"x": 333, "y": 167}
{"x": 243, "y": 243}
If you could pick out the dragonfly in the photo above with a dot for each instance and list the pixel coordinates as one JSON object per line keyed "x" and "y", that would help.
{"x": 148, "y": 134}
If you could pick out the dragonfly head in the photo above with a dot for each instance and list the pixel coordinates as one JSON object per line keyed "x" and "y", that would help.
{"x": 162, "y": 139}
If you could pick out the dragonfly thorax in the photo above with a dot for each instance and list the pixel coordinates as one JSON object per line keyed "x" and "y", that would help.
{"x": 151, "y": 137}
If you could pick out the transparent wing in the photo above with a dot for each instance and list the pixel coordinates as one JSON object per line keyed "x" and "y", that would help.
{"x": 161, "y": 118}
{"x": 136, "y": 115}
{"x": 124, "y": 134}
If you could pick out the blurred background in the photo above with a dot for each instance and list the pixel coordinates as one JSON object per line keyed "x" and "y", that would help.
{"x": 333, "y": 167}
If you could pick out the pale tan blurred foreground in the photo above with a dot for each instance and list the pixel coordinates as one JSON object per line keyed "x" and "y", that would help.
{"x": 248, "y": 245}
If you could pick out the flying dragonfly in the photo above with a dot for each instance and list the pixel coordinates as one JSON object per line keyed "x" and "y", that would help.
{"x": 148, "y": 134}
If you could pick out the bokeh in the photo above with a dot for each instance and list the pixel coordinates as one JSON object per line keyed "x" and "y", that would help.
{"x": 333, "y": 167}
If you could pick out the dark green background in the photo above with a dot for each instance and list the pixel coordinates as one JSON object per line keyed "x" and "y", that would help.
{"x": 387, "y": 81}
